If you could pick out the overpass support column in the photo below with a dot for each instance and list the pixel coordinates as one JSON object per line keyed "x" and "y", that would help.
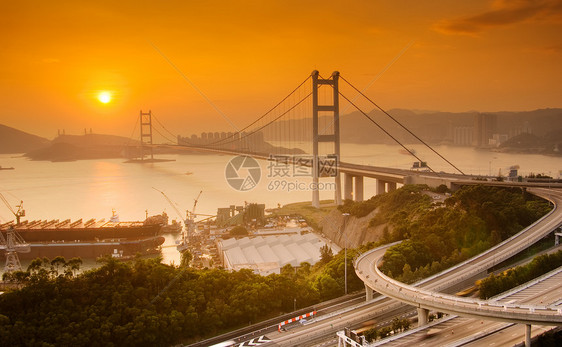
{"x": 337, "y": 197}
{"x": 381, "y": 187}
{"x": 347, "y": 186}
{"x": 358, "y": 194}
{"x": 391, "y": 186}
{"x": 528, "y": 335}
{"x": 557, "y": 234}
{"x": 423, "y": 316}
{"x": 369, "y": 293}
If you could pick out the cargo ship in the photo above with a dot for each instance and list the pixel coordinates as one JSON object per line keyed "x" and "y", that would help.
{"x": 89, "y": 239}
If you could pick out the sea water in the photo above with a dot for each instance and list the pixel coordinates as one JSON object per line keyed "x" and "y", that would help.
{"x": 93, "y": 188}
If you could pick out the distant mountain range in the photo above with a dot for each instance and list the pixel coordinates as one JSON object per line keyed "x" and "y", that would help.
{"x": 63, "y": 147}
{"x": 538, "y": 131}
{"x": 432, "y": 127}
{"x": 17, "y": 141}
{"x": 88, "y": 146}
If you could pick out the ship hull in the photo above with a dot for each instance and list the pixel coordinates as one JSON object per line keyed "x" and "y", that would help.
{"x": 117, "y": 248}
{"x": 90, "y": 239}
{"x": 88, "y": 234}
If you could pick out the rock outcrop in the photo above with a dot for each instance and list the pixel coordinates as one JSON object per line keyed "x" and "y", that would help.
{"x": 357, "y": 229}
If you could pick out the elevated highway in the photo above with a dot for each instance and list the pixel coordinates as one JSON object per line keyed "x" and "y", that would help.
{"x": 382, "y": 308}
{"x": 387, "y": 178}
{"x": 427, "y": 294}
{"x": 463, "y": 331}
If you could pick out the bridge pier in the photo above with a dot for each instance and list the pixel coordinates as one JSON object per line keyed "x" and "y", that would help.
{"x": 353, "y": 187}
{"x": 347, "y": 186}
{"x": 528, "y": 335}
{"x": 369, "y": 293}
{"x": 423, "y": 316}
{"x": 557, "y": 234}
{"x": 380, "y": 187}
{"x": 358, "y": 188}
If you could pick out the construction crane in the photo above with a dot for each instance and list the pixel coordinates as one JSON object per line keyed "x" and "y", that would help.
{"x": 174, "y": 207}
{"x": 190, "y": 227}
{"x": 19, "y": 213}
{"x": 189, "y": 221}
{"x": 193, "y": 215}
{"x": 13, "y": 243}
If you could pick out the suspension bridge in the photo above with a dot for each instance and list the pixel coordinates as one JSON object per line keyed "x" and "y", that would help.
{"x": 303, "y": 129}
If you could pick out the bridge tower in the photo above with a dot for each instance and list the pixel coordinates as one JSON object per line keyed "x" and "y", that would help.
{"x": 317, "y": 137}
{"x": 146, "y": 133}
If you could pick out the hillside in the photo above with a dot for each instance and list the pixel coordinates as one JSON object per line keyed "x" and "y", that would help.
{"x": 434, "y": 127}
{"x": 549, "y": 144}
{"x": 79, "y": 147}
{"x": 17, "y": 141}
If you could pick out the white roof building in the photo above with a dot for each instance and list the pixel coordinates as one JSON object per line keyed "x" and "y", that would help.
{"x": 268, "y": 254}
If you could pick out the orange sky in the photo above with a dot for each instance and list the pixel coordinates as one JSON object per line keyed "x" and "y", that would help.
{"x": 246, "y": 55}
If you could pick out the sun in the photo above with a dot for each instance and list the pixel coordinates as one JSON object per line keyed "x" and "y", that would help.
{"x": 104, "y": 97}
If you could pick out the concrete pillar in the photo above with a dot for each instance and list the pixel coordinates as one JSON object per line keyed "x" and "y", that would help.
{"x": 528, "y": 335}
{"x": 423, "y": 316}
{"x": 358, "y": 186}
{"x": 315, "y": 182}
{"x": 391, "y": 186}
{"x": 337, "y": 197}
{"x": 347, "y": 186}
{"x": 381, "y": 187}
{"x": 557, "y": 238}
{"x": 369, "y": 293}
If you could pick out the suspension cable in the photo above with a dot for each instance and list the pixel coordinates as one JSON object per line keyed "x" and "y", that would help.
{"x": 260, "y": 118}
{"x": 384, "y": 130}
{"x": 163, "y": 136}
{"x": 163, "y": 127}
{"x": 404, "y": 127}
{"x": 272, "y": 121}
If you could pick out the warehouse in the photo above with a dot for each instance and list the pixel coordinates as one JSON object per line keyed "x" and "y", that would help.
{"x": 268, "y": 254}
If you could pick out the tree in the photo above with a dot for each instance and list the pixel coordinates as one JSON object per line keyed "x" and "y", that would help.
{"x": 371, "y": 334}
{"x": 56, "y": 264}
{"x": 442, "y": 189}
{"x": 238, "y": 231}
{"x": 72, "y": 266}
{"x": 328, "y": 287}
{"x": 326, "y": 254}
{"x": 385, "y": 332}
{"x": 186, "y": 258}
{"x": 288, "y": 270}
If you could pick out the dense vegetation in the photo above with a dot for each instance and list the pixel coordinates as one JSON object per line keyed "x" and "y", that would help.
{"x": 471, "y": 221}
{"x": 493, "y": 285}
{"x": 397, "y": 325}
{"x": 147, "y": 303}
{"x": 238, "y": 231}
{"x": 393, "y": 206}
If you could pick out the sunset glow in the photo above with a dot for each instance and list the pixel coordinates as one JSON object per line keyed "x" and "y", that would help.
{"x": 457, "y": 56}
{"x": 104, "y": 97}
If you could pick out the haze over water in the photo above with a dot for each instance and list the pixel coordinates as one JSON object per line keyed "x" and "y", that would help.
{"x": 92, "y": 188}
